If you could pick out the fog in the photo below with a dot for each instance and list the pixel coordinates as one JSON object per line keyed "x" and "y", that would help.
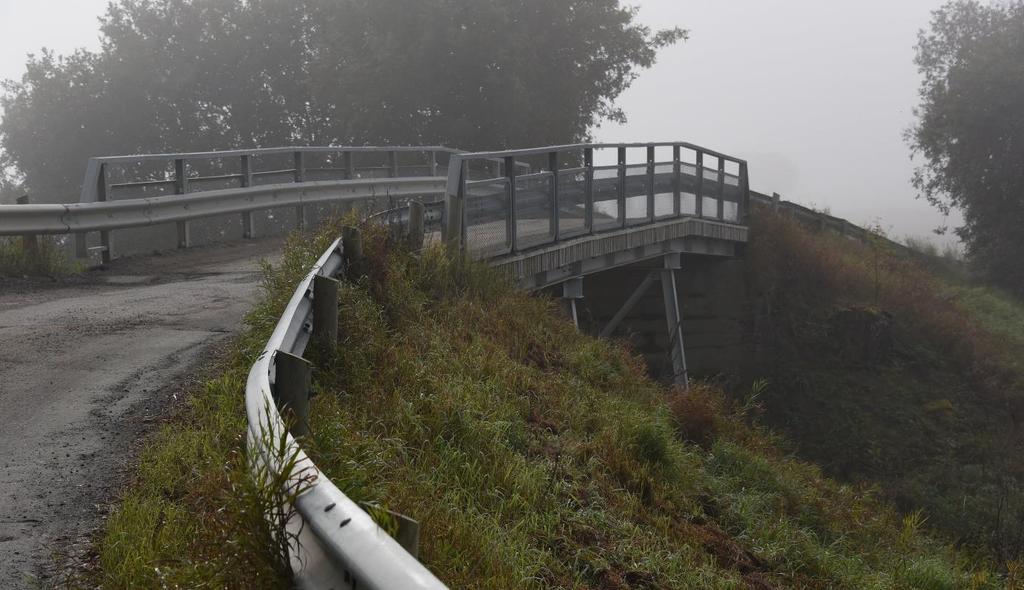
{"x": 814, "y": 94}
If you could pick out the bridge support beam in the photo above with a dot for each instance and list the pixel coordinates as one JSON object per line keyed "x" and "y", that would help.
{"x": 572, "y": 290}
{"x": 674, "y": 319}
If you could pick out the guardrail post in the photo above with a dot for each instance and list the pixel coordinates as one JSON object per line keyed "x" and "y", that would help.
{"x": 180, "y": 188}
{"x": 300, "y": 166}
{"x": 352, "y": 245}
{"x": 292, "y": 383}
{"x": 417, "y": 213}
{"x": 432, "y": 162}
{"x": 393, "y": 164}
{"x": 513, "y": 217}
{"x": 677, "y": 181}
{"x": 81, "y": 246}
{"x": 106, "y": 239}
{"x": 29, "y": 242}
{"x": 248, "y": 219}
{"x": 350, "y": 165}
{"x": 588, "y": 188}
{"x": 699, "y": 207}
{"x": 650, "y": 183}
{"x": 325, "y": 311}
{"x": 622, "y": 187}
{"x": 554, "y": 226}
{"x": 721, "y": 188}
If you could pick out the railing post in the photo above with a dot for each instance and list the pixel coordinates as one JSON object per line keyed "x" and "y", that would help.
{"x": 292, "y": 383}
{"x": 621, "y": 197}
{"x": 433, "y": 163}
{"x": 745, "y": 192}
{"x": 588, "y": 188}
{"x": 300, "y": 176}
{"x": 677, "y": 181}
{"x": 650, "y": 184}
{"x": 325, "y": 311}
{"x": 555, "y": 223}
{"x": 393, "y": 164}
{"x": 454, "y": 208}
{"x": 513, "y": 213}
{"x": 699, "y": 208}
{"x": 29, "y": 242}
{"x": 721, "y": 188}
{"x": 180, "y": 188}
{"x": 106, "y": 239}
{"x": 248, "y": 218}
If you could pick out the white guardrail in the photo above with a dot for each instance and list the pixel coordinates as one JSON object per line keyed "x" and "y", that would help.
{"x": 340, "y": 545}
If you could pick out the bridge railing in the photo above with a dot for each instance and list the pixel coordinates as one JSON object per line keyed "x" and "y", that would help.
{"x": 509, "y": 201}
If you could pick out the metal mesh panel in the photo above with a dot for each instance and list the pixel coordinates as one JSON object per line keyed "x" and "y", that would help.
{"x": 636, "y": 194}
{"x": 487, "y": 216}
{"x": 534, "y": 210}
{"x": 572, "y": 202}
{"x": 606, "y": 197}
{"x": 664, "y": 180}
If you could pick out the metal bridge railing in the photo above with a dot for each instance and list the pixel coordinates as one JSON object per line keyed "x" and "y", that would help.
{"x": 540, "y": 196}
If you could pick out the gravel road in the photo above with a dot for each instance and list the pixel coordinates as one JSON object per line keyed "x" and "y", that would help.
{"x": 86, "y": 368}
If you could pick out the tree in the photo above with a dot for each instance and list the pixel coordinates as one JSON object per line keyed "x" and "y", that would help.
{"x": 176, "y": 75}
{"x": 970, "y": 129}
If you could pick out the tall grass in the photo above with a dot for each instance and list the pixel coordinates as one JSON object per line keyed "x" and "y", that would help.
{"x": 47, "y": 259}
{"x": 935, "y": 423}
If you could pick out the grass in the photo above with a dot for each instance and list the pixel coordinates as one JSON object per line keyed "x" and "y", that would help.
{"x": 47, "y": 259}
{"x": 932, "y": 414}
{"x": 534, "y": 457}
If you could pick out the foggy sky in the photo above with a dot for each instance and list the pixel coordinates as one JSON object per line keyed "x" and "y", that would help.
{"x": 815, "y": 94}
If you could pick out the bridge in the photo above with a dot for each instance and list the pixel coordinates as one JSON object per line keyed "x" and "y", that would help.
{"x": 554, "y": 219}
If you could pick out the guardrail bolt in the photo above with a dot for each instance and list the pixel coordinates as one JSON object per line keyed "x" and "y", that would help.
{"x": 325, "y": 311}
{"x": 292, "y": 383}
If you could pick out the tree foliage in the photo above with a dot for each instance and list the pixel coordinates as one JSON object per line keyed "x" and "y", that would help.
{"x": 175, "y": 75}
{"x": 970, "y": 129}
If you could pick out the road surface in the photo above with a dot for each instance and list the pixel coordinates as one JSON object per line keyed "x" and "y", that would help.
{"x": 86, "y": 368}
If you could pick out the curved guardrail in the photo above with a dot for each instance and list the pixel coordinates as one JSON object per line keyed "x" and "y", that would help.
{"x": 339, "y": 543}
{"x": 111, "y": 215}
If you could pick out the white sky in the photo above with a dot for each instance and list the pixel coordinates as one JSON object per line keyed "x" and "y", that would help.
{"x": 815, "y": 94}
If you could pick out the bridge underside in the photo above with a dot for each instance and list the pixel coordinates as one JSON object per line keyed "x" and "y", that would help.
{"x": 615, "y": 271}
{"x": 571, "y": 259}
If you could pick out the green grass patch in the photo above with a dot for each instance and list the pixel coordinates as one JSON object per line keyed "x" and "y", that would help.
{"x": 533, "y": 456}
{"x": 47, "y": 259}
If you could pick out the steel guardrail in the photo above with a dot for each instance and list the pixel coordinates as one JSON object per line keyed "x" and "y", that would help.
{"x": 339, "y": 545}
{"x": 111, "y": 215}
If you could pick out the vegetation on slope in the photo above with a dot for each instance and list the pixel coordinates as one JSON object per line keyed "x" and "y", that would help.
{"x": 533, "y": 456}
{"x": 46, "y": 260}
{"x": 890, "y": 370}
